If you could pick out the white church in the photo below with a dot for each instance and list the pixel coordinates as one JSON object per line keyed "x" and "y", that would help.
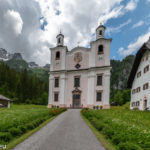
{"x": 139, "y": 79}
{"x": 80, "y": 77}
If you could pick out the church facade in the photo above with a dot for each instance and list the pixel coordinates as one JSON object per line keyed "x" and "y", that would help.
{"x": 81, "y": 77}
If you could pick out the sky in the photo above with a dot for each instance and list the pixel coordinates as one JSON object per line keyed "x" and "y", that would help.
{"x": 31, "y": 26}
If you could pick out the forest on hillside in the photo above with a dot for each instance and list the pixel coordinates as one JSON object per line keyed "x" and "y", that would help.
{"x": 119, "y": 94}
{"x": 22, "y": 87}
{"x": 26, "y": 86}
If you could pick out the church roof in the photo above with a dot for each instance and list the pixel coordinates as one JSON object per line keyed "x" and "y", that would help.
{"x": 101, "y": 26}
{"x": 60, "y": 34}
{"x": 79, "y": 48}
{"x": 139, "y": 55}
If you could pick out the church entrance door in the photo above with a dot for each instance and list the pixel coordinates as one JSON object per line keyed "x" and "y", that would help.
{"x": 76, "y": 101}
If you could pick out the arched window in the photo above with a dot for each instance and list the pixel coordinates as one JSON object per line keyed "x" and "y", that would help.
{"x": 100, "y": 32}
{"x": 59, "y": 40}
{"x": 100, "y": 49}
{"x": 57, "y": 55}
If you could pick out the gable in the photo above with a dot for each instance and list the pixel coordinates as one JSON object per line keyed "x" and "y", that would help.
{"x": 136, "y": 64}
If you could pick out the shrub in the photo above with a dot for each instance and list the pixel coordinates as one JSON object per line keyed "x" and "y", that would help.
{"x": 15, "y": 131}
{"x": 94, "y": 107}
{"x": 30, "y": 126}
{"x": 56, "y": 111}
{"x": 101, "y": 107}
{"x": 128, "y": 146}
{"x": 5, "y": 136}
{"x": 108, "y": 131}
{"x": 97, "y": 107}
{"x": 97, "y": 124}
{"x": 23, "y": 128}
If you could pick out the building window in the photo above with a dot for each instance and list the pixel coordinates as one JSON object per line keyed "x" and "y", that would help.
{"x": 56, "y": 95}
{"x": 145, "y": 86}
{"x": 138, "y": 89}
{"x": 146, "y": 69}
{"x": 100, "y": 49}
{"x": 137, "y": 103}
{"x": 56, "y": 82}
{"x": 99, "y": 96}
{"x": 76, "y": 81}
{"x": 99, "y": 79}
{"x": 138, "y": 74}
{"x": 100, "y": 32}
{"x": 57, "y": 55}
{"x": 133, "y": 104}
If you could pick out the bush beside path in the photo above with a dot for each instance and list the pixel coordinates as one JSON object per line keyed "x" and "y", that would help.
{"x": 126, "y": 129}
{"x": 20, "y": 119}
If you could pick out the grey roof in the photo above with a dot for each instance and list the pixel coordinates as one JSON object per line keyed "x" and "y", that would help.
{"x": 4, "y": 98}
{"x": 137, "y": 60}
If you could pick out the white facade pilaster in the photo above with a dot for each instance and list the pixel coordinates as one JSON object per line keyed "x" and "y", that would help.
{"x": 107, "y": 88}
{"x": 91, "y": 78}
{"x": 51, "y": 83}
{"x": 63, "y": 64}
{"x": 92, "y": 56}
{"x": 52, "y": 63}
{"x": 62, "y": 88}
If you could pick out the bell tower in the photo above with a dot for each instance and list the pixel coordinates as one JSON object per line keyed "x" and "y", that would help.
{"x": 60, "y": 39}
{"x": 100, "y": 31}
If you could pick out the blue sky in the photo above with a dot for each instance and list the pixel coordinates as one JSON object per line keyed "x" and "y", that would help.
{"x": 30, "y": 27}
{"x": 138, "y": 25}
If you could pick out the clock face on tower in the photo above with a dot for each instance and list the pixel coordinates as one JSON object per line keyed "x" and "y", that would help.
{"x": 78, "y": 57}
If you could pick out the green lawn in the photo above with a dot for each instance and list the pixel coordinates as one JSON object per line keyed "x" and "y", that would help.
{"x": 20, "y": 119}
{"x": 125, "y": 129}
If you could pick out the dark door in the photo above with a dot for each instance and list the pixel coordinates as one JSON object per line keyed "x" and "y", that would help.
{"x": 145, "y": 104}
{"x": 76, "y": 100}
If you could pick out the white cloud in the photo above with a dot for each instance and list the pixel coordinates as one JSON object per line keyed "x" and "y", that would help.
{"x": 13, "y": 21}
{"x": 138, "y": 24}
{"x": 76, "y": 19}
{"x": 134, "y": 46}
{"x": 148, "y": 1}
{"x": 131, "y": 5}
{"x": 118, "y": 28}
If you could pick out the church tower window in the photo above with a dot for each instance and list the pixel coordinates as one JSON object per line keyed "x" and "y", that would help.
{"x": 100, "y": 49}
{"x": 57, "y": 55}
{"x": 59, "y": 40}
{"x": 100, "y": 32}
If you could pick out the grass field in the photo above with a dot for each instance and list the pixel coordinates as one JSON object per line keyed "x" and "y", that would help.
{"x": 125, "y": 129}
{"x": 20, "y": 119}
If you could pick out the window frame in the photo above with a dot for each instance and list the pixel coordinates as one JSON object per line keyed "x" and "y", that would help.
{"x": 57, "y": 97}
{"x": 146, "y": 69}
{"x": 97, "y": 92}
{"x": 99, "y": 50}
{"x": 100, "y": 32}
{"x": 57, "y": 57}
{"x": 76, "y": 77}
{"x": 56, "y": 85}
{"x": 146, "y": 86}
{"x": 139, "y": 74}
{"x": 99, "y": 75}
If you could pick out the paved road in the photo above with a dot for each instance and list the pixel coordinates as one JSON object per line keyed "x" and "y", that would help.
{"x": 66, "y": 132}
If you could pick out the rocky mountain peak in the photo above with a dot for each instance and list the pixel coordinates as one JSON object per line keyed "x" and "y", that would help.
{"x": 17, "y": 56}
{"x": 33, "y": 65}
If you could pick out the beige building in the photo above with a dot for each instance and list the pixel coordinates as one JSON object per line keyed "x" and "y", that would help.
{"x": 139, "y": 79}
{"x": 80, "y": 77}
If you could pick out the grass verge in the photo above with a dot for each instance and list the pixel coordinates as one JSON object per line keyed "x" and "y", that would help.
{"x": 107, "y": 145}
{"x": 16, "y": 141}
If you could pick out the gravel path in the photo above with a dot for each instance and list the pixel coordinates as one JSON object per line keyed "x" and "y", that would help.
{"x": 66, "y": 132}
